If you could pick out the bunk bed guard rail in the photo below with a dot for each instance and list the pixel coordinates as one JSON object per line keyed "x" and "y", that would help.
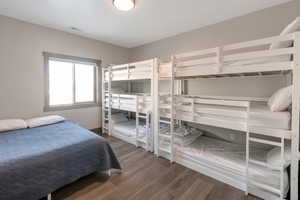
{"x": 242, "y": 58}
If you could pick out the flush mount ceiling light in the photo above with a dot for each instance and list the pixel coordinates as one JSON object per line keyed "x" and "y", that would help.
{"x": 124, "y": 5}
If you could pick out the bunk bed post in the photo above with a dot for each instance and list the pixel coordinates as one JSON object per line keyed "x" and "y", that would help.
{"x": 247, "y": 147}
{"x": 129, "y": 86}
{"x": 148, "y": 127}
{"x": 137, "y": 120}
{"x": 103, "y": 99}
{"x": 172, "y": 109}
{"x": 295, "y": 119}
{"x": 155, "y": 103}
{"x": 179, "y": 86}
{"x": 282, "y": 168}
{"x": 128, "y": 72}
{"x": 220, "y": 58}
{"x": 109, "y": 100}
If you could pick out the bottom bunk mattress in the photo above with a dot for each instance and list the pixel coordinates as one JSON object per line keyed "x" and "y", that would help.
{"x": 35, "y": 162}
{"x": 128, "y": 128}
{"x": 231, "y": 158}
{"x": 126, "y": 131}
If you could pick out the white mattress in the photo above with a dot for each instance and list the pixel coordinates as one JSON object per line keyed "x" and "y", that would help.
{"x": 232, "y": 157}
{"x": 119, "y": 117}
{"x": 260, "y": 115}
{"x": 126, "y": 128}
{"x": 180, "y": 140}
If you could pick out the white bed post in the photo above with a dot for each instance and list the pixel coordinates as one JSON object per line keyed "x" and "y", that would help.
{"x": 247, "y": 148}
{"x": 282, "y": 168}
{"x": 295, "y": 119}
{"x": 220, "y": 58}
{"x": 155, "y": 103}
{"x": 172, "y": 109}
{"x": 148, "y": 132}
{"x": 179, "y": 84}
{"x": 129, "y": 86}
{"x": 103, "y": 100}
{"x": 49, "y": 196}
{"x": 109, "y": 100}
{"x": 137, "y": 120}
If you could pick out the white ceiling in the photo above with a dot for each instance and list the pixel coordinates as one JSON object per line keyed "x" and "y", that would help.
{"x": 151, "y": 20}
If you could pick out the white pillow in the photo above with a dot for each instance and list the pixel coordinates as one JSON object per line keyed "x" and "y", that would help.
{"x": 291, "y": 28}
{"x": 274, "y": 156}
{"x": 12, "y": 124}
{"x": 281, "y": 99}
{"x": 41, "y": 121}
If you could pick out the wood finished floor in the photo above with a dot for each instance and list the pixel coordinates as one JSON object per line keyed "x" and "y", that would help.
{"x": 146, "y": 177}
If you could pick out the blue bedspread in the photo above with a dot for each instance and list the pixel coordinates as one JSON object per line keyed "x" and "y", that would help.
{"x": 37, "y": 161}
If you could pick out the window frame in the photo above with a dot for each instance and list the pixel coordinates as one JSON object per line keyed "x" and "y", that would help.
{"x": 75, "y": 60}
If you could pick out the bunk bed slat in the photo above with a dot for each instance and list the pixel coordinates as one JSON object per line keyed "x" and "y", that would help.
{"x": 259, "y": 68}
{"x": 165, "y": 136}
{"x": 144, "y": 62}
{"x": 166, "y": 150}
{"x": 259, "y": 54}
{"x": 236, "y": 70}
{"x": 182, "y": 64}
{"x": 265, "y": 187}
{"x": 262, "y": 141}
{"x": 164, "y": 121}
{"x": 258, "y": 42}
{"x": 264, "y": 164}
{"x": 196, "y": 53}
{"x": 223, "y": 102}
{"x": 279, "y": 133}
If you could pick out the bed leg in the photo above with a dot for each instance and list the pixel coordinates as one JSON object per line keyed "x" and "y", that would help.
{"x": 49, "y": 197}
{"x": 108, "y": 172}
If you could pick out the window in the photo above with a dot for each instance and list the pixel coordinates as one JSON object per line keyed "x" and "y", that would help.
{"x": 71, "y": 82}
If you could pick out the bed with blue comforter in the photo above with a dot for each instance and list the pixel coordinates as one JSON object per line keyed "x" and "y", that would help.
{"x": 35, "y": 162}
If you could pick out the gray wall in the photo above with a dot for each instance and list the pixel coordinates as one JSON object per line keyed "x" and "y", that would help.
{"x": 264, "y": 23}
{"x": 21, "y": 61}
{"x": 22, "y": 67}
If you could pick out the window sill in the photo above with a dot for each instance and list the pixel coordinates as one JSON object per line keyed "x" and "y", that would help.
{"x": 70, "y": 107}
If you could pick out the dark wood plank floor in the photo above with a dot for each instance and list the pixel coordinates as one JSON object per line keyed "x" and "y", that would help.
{"x": 146, "y": 177}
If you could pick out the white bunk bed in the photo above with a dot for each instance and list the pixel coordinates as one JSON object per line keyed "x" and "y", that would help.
{"x": 251, "y": 116}
{"x": 136, "y": 131}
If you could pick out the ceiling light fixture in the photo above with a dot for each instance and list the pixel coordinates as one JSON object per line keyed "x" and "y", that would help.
{"x": 124, "y": 5}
